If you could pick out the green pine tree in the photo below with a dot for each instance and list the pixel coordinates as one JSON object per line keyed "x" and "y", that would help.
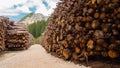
{"x": 37, "y": 28}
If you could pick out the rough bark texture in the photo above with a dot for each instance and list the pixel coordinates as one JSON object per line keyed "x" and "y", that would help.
{"x": 81, "y": 28}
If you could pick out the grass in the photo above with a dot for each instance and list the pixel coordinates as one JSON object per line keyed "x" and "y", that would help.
{"x": 35, "y": 40}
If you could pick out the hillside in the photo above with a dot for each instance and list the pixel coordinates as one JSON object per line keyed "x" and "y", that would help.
{"x": 31, "y": 18}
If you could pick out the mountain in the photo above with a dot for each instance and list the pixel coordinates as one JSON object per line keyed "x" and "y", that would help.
{"x": 31, "y": 18}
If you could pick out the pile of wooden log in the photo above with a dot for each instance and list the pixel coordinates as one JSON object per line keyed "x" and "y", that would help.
{"x": 3, "y": 28}
{"x": 14, "y": 36}
{"x": 17, "y": 37}
{"x": 81, "y": 28}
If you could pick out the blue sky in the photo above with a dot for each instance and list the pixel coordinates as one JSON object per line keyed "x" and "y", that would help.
{"x": 16, "y": 9}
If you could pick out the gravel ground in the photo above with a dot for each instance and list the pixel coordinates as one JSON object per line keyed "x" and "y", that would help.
{"x": 34, "y": 57}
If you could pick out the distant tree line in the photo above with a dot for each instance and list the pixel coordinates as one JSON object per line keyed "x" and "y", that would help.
{"x": 37, "y": 28}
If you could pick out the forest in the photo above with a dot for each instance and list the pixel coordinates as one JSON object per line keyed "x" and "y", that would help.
{"x": 37, "y": 28}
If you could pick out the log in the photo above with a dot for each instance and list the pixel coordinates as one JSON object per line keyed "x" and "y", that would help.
{"x": 113, "y": 54}
{"x": 90, "y": 44}
{"x": 77, "y": 50}
{"x": 66, "y": 53}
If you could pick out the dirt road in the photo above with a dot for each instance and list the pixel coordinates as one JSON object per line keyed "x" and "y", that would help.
{"x": 34, "y": 57}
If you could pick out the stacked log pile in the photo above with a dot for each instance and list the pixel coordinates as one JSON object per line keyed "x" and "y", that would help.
{"x": 17, "y": 37}
{"x": 14, "y": 36}
{"x": 81, "y": 28}
{"x": 3, "y": 28}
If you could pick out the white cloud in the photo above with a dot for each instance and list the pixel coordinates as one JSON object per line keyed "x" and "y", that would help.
{"x": 24, "y": 9}
{"x": 42, "y": 9}
{"x": 10, "y": 3}
{"x": 6, "y": 7}
{"x": 52, "y": 3}
{"x": 9, "y": 12}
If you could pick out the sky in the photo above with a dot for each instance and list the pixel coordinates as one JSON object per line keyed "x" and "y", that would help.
{"x": 16, "y": 9}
